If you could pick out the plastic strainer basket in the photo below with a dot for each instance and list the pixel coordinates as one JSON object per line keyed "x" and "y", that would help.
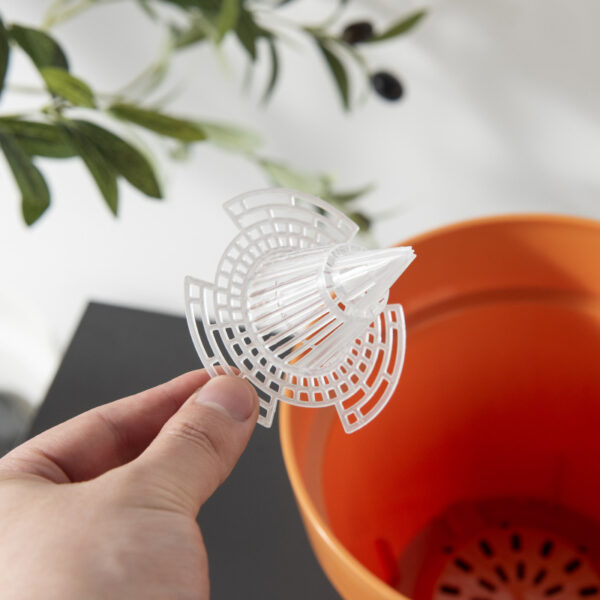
{"x": 481, "y": 481}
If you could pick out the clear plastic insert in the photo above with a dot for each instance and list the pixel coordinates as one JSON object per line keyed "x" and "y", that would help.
{"x": 300, "y": 310}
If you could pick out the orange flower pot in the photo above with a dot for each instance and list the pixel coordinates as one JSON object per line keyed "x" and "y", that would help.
{"x": 481, "y": 478}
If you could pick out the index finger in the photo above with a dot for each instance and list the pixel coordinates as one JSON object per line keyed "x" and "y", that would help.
{"x": 105, "y": 437}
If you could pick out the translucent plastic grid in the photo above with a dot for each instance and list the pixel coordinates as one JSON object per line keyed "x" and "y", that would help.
{"x": 299, "y": 310}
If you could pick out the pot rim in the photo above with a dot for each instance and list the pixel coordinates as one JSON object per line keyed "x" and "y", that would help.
{"x": 285, "y": 416}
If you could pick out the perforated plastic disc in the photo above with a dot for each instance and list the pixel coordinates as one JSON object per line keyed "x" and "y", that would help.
{"x": 505, "y": 549}
{"x": 510, "y": 563}
{"x": 300, "y": 310}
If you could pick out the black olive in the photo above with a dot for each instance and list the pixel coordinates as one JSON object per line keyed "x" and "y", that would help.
{"x": 361, "y": 31}
{"x": 387, "y": 85}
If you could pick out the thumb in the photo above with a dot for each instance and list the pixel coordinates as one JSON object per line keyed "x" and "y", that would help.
{"x": 198, "y": 447}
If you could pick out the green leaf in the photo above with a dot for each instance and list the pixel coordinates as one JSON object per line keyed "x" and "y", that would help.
{"x": 122, "y": 156}
{"x": 183, "y": 3}
{"x": 284, "y": 176}
{"x": 232, "y": 138}
{"x": 63, "y": 84}
{"x": 4, "y": 54}
{"x": 182, "y": 38}
{"x": 148, "y": 9}
{"x": 101, "y": 170}
{"x": 338, "y": 71}
{"x": 207, "y": 6}
{"x": 247, "y": 37}
{"x": 400, "y": 28}
{"x": 274, "y": 72}
{"x": 180, "y": 129}
{"x": 180, "y": 152}
{"x": 249, "y": 31}
{"x": 43, "y": 50}
{"x": 228, "y": 16}
{"x": 362, "y": 220}
{"x": 346, "y": 197}
{"x": 38, "y": 139}
{"x": 35, "y": 196}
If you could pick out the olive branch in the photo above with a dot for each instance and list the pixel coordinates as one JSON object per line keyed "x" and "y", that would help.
{"x": 57, "y": 130}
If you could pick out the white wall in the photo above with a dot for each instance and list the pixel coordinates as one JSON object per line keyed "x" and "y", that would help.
{"x": 502, "y": 114}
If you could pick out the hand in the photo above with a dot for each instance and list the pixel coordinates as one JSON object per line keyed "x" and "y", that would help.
{"x": 104, "y": 505}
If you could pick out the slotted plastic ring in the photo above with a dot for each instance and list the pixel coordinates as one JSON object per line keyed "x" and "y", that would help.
{"x": 300, "y": 310}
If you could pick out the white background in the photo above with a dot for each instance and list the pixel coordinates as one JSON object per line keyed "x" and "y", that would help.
{"x": 501, "y": 114}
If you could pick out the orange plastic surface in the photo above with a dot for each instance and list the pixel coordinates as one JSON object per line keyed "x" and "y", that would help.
{"x": 499, "y": 397}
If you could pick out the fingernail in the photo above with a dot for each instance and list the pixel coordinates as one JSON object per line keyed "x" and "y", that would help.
{"x": 231, "y": 394}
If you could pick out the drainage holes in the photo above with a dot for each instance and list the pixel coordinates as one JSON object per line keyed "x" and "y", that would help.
{"x": 541, "y": 575}
{"x": 555, "y": 589}
{"x": 572, "y": 566}
{"x": 501, "y": 573}
{"x": 590, "y": 590}
{"x": 463, "y": 565}
{"x": 487, "y": 585}
{"x": 486, "y": 548}
{"x": 522, "y": 562}
{"x": 546, "y": 549}
{"x": 450, "y": 590}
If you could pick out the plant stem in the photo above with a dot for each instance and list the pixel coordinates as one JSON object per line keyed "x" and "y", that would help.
{"x": 34, "y": 90}
{"x": 54, "y": 16}
{"x": 22, "y": 115}
{"x": 53, "y": 10}
{"x": 334, "y": 16}
{"x": 152, "y": 75}
{"x": 278, "y": 24}
{"x": 362, "y": 65}
{"x": 25, "y": 89}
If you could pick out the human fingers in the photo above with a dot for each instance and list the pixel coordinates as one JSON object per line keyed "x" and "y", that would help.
{"x": 197, "y": 448}
{"x": 105, "y": 437}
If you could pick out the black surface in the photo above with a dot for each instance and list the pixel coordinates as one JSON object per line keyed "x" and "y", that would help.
{"x": 256, "y": 543}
